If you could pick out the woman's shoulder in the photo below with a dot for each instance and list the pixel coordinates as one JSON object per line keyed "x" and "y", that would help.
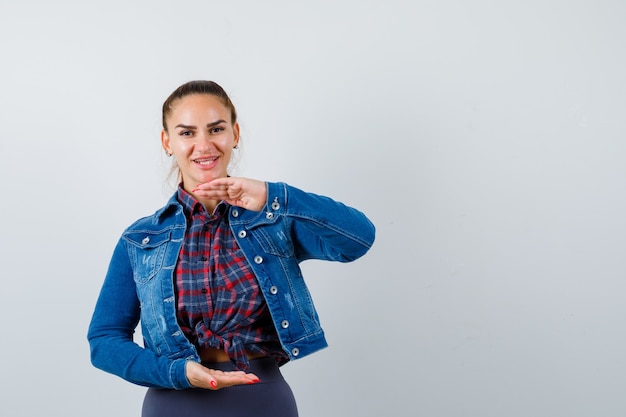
{"x": 164, "y": 217}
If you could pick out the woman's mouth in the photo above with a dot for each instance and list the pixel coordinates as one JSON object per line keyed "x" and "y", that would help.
{"x": 206, "y": 162}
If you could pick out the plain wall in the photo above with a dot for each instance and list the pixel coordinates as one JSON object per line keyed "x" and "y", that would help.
{"x": 485, "y": 139}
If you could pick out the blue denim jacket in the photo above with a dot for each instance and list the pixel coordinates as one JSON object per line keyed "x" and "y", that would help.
{"x": 139, "y": 285}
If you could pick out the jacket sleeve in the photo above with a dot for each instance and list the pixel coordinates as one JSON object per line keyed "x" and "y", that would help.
{"x": 321, "y": 227}
{"x": 110, "y": 333}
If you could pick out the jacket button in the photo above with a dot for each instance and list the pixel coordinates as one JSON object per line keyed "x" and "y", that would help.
{"x": 145, "y": 240}
{"x": 242, "y": 233}
{"x": 295, "y": 351}
{"x": 258, "y": 259}
{"x": 269, "y": 215}
{"x": 275, "y": 204}
{"x": 284, "y": 324}
{"x": 235, "y": 213}
{"x": 274, "y": 290}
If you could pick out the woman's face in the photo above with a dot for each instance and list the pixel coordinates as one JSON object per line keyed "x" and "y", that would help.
{"x": 201, "y": 137}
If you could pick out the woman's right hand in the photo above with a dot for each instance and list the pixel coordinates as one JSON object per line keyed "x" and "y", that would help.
{"x": 202, "y": 377}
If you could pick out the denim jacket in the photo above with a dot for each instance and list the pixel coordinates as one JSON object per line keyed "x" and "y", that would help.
{"x": 139, "y": 285}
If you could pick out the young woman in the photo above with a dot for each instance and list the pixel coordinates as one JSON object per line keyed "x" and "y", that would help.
{"x": 214, "y": 277}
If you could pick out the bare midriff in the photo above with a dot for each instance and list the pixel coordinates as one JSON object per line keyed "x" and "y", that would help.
{"x": 218, "y": 355}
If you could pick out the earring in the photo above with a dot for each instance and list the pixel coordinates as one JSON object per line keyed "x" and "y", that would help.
{"x": 236, "y": 147}
{"x": 169, "y": 154}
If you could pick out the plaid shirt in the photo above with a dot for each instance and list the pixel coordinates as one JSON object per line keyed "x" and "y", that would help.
{"x": 219, "y": 302}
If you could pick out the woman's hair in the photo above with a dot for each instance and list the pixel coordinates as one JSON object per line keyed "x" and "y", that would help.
{"x": 198, "y": 87}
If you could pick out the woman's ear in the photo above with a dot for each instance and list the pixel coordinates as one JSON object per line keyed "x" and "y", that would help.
{"x": 165, "y": 142}
{"x": 236, "y": 131}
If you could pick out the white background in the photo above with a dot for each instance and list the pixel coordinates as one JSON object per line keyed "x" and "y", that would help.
{"x": 485, "y": 139}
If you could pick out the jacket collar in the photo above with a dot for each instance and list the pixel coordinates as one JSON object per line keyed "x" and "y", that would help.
{"x": 171, "y": 207}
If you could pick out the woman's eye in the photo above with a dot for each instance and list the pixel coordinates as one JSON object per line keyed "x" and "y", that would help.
{"x": 185, "y": 133}
{"x": 216, "y": 129}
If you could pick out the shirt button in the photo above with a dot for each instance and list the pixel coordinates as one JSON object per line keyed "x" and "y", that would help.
{"x": 295, "y": 351}
{"x": 258, "y": 259}
{"x": 275, "y": 205}
{"x": 284, "y": 324}
{"x": 274, "y": 290}
{"x": 242, "y": 233}
{"x": 145, "y": 240}
{"x": 269, "y": 215}
{"x": 235, "y": 213}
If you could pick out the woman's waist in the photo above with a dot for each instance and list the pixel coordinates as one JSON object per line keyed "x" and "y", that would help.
{"x": 209, "y": 354}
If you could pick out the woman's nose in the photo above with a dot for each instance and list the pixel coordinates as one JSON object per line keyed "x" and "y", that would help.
{"x": 204, "y": 142}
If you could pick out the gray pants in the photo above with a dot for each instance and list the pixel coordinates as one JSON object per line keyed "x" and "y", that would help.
{"x": 272, "y": 397}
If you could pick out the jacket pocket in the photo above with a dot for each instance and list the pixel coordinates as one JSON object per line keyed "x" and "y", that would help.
{"x": 147, "y": 250}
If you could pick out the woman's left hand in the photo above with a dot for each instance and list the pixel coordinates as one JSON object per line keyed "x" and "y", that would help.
{"x": 241, "y": 192}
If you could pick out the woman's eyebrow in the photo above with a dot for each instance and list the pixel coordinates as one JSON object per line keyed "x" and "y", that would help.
{"x": 215, "y": 123}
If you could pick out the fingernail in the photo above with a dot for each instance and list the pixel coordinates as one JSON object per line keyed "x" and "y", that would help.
{"x": 214, "y": 384}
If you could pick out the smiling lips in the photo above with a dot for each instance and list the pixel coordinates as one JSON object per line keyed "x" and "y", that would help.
{"x": 206, "y": 162}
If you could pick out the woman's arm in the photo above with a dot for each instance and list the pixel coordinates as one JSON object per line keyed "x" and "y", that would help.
{"x": 113, "y": 323}
{"x": 322, "y": 227}
{"x": 113, "y": 349}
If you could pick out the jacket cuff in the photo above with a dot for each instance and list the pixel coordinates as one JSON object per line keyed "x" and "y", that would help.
{"x": 178, "y": 374}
